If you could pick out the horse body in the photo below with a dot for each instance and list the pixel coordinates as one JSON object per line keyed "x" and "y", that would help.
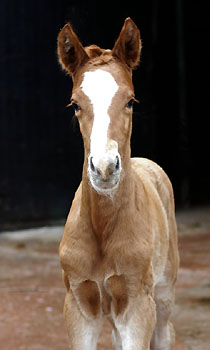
{"x": 119, "y": 248}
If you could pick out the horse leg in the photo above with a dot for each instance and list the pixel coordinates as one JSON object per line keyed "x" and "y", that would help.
{"x": 163, "y": 336}
{"x": 134, "y": 328}
{"x": 116, "y": 339}
{"x": 82, "y": 331}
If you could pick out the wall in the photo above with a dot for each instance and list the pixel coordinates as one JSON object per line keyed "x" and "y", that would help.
{"x": 40, "y": 147}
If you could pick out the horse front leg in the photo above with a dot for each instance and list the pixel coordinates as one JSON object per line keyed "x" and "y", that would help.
{"x": 137, "y": 324}
{"x": 134, "y": 317}
{"x": 82, "y": 323}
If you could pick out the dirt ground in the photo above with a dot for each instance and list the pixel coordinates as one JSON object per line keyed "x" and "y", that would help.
{"x": 32, "y": 291}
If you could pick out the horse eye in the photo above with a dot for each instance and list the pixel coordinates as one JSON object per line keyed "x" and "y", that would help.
{"x": 130, "y": 103}
{"x": 75, "y": 106}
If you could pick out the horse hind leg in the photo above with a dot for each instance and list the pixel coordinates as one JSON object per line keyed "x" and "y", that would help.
{"x": 116, "y": 339}
{"x": 164, "y": 336}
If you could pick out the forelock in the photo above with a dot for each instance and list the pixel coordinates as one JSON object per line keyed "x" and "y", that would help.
{"x": 98, "y": 56}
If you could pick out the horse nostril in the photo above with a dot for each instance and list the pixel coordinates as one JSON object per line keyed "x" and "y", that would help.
{"x": 92, "y": 165}
{"x": 106, "y": 170}
{"x": 117, "y": 166}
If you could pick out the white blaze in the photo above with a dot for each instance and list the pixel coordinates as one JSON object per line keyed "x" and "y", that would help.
{"x": 100, "y": 87}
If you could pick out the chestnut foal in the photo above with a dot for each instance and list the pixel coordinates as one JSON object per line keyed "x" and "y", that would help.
{"x": 119, "y": 249}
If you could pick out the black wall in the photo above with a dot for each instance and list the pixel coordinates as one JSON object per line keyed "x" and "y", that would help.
{"x": 41, "y": 150}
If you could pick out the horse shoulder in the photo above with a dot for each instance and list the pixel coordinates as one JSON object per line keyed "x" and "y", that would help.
{"x": 78, "y": 249}
{"x": 159, "y": 193}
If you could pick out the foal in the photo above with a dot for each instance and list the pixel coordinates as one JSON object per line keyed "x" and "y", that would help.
{"x": 119, "y": 249}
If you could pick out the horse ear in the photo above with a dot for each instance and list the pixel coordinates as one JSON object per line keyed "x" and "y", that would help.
{"x": 71, "y": 53}
{"x": 128, "y": 45}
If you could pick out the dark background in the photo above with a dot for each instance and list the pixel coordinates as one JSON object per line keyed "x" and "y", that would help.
{"x": 41, "y": 151}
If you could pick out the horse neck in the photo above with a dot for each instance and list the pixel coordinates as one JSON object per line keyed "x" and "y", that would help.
{"x": 102, "y": 210}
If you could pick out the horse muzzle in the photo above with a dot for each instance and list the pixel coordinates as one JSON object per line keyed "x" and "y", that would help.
{"x": 104, "y": 171}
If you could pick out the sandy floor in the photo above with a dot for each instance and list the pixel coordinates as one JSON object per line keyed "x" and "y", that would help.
{"x": 32, "y": 292}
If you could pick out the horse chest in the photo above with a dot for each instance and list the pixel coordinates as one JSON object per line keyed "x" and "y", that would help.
{"x": 84, "y": 258}
{"x": 104, "y": 271}
{"x": 103, "y": 282}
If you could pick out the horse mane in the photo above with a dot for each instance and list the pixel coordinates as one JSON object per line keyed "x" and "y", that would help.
{"x": 98, "y": 56}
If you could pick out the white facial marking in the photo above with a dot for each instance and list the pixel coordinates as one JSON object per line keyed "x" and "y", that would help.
{"x": 100, "y": 87}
